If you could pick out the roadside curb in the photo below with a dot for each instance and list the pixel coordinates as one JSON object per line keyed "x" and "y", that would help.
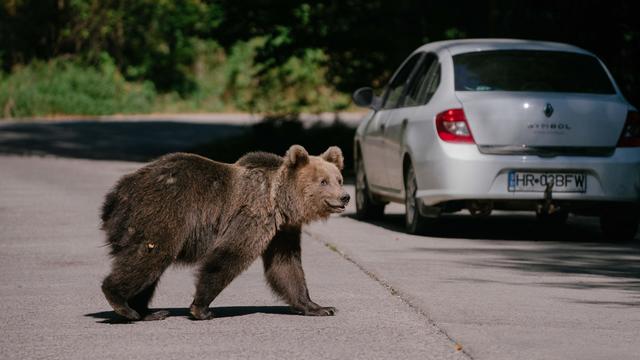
{"x": 393, "y": 291}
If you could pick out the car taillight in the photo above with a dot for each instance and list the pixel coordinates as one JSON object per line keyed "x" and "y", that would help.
{"x": 452, "y": 126}
{"x": 631, "y": 132}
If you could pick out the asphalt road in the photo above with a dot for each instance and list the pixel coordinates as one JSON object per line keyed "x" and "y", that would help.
{"x": 496, "y": 288}
{"x": 503, "y": 287}
{"x": 51, "y": 307}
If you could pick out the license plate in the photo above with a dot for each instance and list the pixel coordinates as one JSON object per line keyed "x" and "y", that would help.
{"x": 524, "y": 181}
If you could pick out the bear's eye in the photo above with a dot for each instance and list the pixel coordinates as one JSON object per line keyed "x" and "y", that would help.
{"x": 324, "y": 182}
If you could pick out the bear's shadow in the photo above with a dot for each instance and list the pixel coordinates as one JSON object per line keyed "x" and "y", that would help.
{"x": 110, "y": 317}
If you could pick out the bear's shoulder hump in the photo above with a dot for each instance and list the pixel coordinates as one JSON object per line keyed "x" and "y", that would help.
{"x": 260, "y": 160}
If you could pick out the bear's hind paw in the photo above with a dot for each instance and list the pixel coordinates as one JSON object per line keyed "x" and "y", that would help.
{"x": 127, "y": 312}
{"x": 198, "y": 313}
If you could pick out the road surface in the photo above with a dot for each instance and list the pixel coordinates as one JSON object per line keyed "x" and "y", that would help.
{"x": 52, "y": 261}
{"x": 502, "y": 287}
{"x": 496, "y": 288}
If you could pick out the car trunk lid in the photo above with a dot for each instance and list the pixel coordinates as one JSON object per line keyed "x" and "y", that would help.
{"x": 539, "y": 101}
{"x": 552, "y": 123}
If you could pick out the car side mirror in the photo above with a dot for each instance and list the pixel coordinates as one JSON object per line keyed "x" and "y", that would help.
{"x": 364, "y": 97}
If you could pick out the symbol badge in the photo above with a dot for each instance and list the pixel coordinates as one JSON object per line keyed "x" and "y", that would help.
{"x": 548, "y": 110}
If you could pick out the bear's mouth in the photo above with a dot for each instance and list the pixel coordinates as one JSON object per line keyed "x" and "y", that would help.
{"x": 335, "y": 208}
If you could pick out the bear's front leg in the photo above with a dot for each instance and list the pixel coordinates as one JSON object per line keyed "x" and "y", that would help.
{"x": 283, "y": 269}
{"x": 218, "y": 270}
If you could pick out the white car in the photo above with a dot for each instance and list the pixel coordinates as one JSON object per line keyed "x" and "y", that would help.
{"x": 485, "y": 124}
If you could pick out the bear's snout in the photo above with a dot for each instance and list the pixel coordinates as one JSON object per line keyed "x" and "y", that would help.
{"x": 345, "y": 198}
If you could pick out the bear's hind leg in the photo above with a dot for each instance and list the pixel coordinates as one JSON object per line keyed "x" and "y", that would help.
{"x": 131, "y": 283}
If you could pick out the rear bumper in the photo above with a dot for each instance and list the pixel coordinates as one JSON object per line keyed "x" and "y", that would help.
{"x": 461, "y": 172}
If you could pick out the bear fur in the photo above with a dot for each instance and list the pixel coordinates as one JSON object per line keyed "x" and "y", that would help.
{"x": 187, "y": 209}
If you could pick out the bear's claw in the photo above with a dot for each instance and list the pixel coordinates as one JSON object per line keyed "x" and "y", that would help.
{"x": 157, "y": 315}
{"x": 322, "y": 311}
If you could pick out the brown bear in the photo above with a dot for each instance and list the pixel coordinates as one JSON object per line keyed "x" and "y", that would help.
{"x": 187, "y": 209}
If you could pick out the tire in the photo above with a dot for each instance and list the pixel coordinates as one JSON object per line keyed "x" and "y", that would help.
{"x": 366, "y": 207}
{"x": 414, "y": 222}
{"x": 619, "y": 226}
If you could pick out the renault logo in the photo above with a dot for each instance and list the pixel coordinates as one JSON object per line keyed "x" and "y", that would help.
{"x": 548, "y": 110}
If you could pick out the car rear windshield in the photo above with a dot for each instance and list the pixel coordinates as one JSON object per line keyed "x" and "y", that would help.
{"x": 529, "y": 70}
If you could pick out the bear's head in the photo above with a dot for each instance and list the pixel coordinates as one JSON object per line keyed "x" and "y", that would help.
{"x": 312, "y": 187}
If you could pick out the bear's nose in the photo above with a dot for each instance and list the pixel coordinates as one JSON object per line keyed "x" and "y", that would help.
{"x": 345, "y": 198}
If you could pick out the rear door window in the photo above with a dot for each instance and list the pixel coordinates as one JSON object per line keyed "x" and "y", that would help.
{"x": 397, "y": 86}
{"x": 424, "y": 82}
{"x": 530, "y": 70}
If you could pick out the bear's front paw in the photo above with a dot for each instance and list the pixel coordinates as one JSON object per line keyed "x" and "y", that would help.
{"x": 200, "y": 313}
{"x": 321, "y": 311}
{"x": 157, "y": 315}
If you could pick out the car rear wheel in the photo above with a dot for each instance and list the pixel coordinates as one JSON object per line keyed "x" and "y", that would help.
{"x": 619, "y": 225}
{"x": 366, "y": 207}
{"x": 414, "y": 222}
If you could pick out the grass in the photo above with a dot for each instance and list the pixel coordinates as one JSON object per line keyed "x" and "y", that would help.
{"x": 222, "y": 81}
{"x": 62, "y": 86}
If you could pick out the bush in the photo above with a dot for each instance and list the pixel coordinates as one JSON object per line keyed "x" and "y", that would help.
{"x": 64, "y": 86}
{"x": 210, "y": 79}
{"x": 297, "y": 85}
{"x": 234, "y": 81}
{"x": 223, "y": 81}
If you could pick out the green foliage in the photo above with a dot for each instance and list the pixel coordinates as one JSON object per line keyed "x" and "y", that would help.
{"x": 365, "y": 40}
{"x": 61, "y": 86}
{"x": 288, "y": 56}
{"x": 148, "y": 39}
{"x": 209, "y": 72}
{"x": 236, "y": 82}
{"x": 299, "y": 84}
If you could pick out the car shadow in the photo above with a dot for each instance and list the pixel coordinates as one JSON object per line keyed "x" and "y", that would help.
{"x": 597, "y": 265}
{"x": 519, "y": 242}
{"x": 109, "y": 140}
{"x": 110, "y": 317}
{"x": 512, "y": 227}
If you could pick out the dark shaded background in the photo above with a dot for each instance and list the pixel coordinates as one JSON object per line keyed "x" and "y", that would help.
{"x": 144, "y": 141}
{"x": 364, "y": 39}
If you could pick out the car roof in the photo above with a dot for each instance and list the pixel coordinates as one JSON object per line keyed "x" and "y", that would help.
{"x": 471, "y": 45}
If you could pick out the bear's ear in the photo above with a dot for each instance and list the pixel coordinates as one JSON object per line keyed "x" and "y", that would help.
{"x": 296, "y": 156}
{"x": 334, "y": 156}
